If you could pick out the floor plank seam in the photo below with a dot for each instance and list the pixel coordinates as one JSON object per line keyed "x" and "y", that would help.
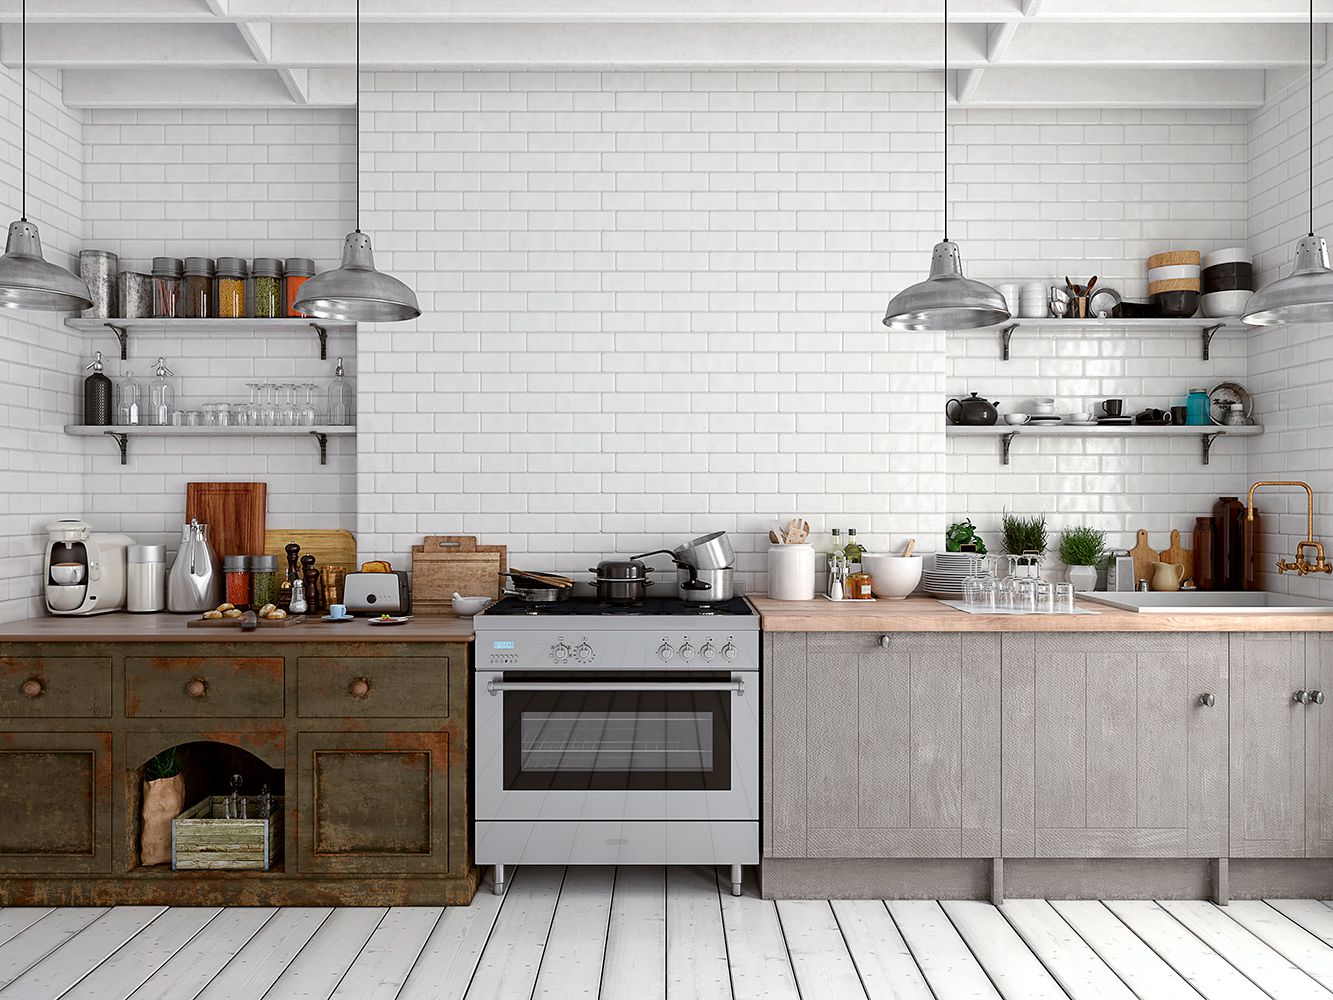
{"x": 1199, "y": 937}
{"x": 908, "y": 945}
{"x": 150, "y": 923}
{"x": 359, "y": 952}
{"x": 425, "y": 942}
{"x": 1291, "y": 961}
{"x": 847, "y": 945}
{"x": 782, "y": 929}
{"x": 1166, "y": 961}
{"x": 975, "y": 957}
{"x": 606, "y": 938}
{"x": 490, "y": 933}
{"x": 1049, "y": 971}
{"x": 537, "y": 974}
{"x": 1088, "y": 944}
{"x": 299, "y": 951}
{"x": 726, "y": 943}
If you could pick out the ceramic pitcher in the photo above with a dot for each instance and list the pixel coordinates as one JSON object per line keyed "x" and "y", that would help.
{"x": 1166, "y": 576}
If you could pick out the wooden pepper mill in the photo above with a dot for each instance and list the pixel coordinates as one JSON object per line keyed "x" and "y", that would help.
{"x": 284, "y": 595}
{"x": 314, "y": 590}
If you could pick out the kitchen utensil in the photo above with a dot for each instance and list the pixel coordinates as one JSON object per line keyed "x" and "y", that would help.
{"x": 261, "y": 623}
{"x": 1177, "y": 303}
{"x": 338, "y": 618}
{"x": 775, "y": 538}
{"x": 548, "y": 579}
{"x": 1144, "y": 556}
{"x": 1043, "y": 406}
{"x": 893, "y": 577}
{"x": 1172, "y": 258}
{"x": 1179, "y": 414}
{"x": 909, "y": 547}
{"x": 377, "y": 592}
{"x": 1224, "y": 304}
{"x": 1136, "y": 310}
{"x": 234, "y": 513}
{"x": 711, "y": 551}
{"x": 1179, "y": 556}
{"x": 146, "y": 578}
{"x": 972, "y": 411}
{"x": 1166, "y": 576}
{"x": 68, "y": 574}
{"x": 1091, "y": 285}
{"x": 537, "y": 594}
{"x": 338, "y": 611}
{"x": 1016, "y": 419}
{"x": 466, "y": 607}
{"x": 443, "y": 565}
{"x": 622, "y": 582}
{"x": 791, "y": 572}
{"x": 713, "y": 585}
{"x": 1120, "y": 571}
{"x": 195, "y": 582}
{"x": 1228, "y": 278}
{"x": 98, "y": 269}
{"x": 1223, "y": 395}
{"x": 1104, "y": 302}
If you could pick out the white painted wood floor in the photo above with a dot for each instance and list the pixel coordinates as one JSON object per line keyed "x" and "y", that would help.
{"x": 646, "y": 933}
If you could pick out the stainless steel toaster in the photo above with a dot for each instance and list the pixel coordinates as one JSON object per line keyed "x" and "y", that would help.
{"x": 380, "y": 593}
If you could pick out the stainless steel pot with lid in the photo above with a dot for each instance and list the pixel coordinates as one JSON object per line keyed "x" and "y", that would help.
{"x": 622, "y": 582}
{"x": 707, "y": 552}
{"x": 705, "y": 586}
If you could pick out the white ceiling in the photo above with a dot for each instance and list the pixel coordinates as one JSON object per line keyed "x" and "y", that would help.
{"x": 1005, "y": 53}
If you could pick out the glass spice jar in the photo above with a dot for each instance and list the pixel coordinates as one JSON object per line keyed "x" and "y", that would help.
{"x": 231, "y": 273}
{"x": 236, "y": 569}
{"x": 197, "y": 299}
{"x": 263, "y": 585}
{"x": 299, "y": 271}
{"x": 166, "y": 287}
{"x": 268, "y": 287}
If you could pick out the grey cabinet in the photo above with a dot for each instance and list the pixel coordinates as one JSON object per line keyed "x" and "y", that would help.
{"x": 882, "y": 746}
{"x": 1281, "y": 747}
{"x": 1109, "y": 750}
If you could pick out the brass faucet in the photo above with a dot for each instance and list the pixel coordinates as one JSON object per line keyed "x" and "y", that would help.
{"x": 1300, "y": 565}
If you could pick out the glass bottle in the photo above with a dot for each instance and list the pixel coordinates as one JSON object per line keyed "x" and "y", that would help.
{"x": 231, "y": 272}
{"x": 299, "y": 270}
{"x": 166, "y": 287}
{"x": 298, "y": 605}
{"x": 340, "y": 398}
{"x": 836, "y": 551}
{"x": 854, "y": 551}
{"x": 1198, "y": 411}
{"x": 161, "y": 395}
{"x": 127, "y": 400}
{"x": 263, "y": 582}
{"x": 197, "y": 298}
{"x": 97, "y": 395}
{"x": 268, "y": 287}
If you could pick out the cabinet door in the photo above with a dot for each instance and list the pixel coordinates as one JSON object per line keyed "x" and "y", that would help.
{"x": 380, "y": 803}
{"x": 1268, "y": 745}
{"x": 1319, "y": 747}
{"x": 1108, "y": 750}
{"x": 900, "y": 747}
{"x": 55, "y": 800}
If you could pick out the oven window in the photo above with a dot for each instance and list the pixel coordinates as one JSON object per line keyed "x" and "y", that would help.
{"x": 617, "y": 740}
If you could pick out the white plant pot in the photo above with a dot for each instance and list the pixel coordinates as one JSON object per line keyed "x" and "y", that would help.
{"x": 1083, "y": 578}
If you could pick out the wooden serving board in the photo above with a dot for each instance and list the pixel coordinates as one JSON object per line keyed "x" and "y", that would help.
{"x": 236, "y": 622}
{"x": 1179, "y": 556}
{"x": 234, "y": 513}
{"x": 443, "y": 564}
{"x": 1144, "y": 556}
{"x": 330, "y": 547}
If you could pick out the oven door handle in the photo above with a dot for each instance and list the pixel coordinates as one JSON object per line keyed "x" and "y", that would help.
{"x": 495, "y": 687}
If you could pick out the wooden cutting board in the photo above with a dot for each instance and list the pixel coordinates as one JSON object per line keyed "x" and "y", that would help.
{"x": 443, "y": 564}
{"x": 1144, "y": 556}
{"x": 330, "y": 547}
{"x": 234, "y": 513}
{"x": 1179, "y": 556}
{"x": 236, "y": 622}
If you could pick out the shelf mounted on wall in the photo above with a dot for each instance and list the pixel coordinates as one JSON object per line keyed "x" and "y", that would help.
{"x": 1206, "y": 328}
{"x": 1007, "y": 433}
{"x": 122, "y": 328}
{"x": 121, "y": 434}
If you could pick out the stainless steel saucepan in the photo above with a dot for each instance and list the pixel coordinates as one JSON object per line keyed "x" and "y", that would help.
{"x": 707, "y": 552}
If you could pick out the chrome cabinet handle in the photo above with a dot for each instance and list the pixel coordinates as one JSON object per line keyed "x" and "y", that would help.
{"x": 495, "y": 687}
{"x": 1302, "y": 696}
{"x": 1207, "y": 700}
{"x": 885, "y": 641}
{"x": 1317, "y": 697}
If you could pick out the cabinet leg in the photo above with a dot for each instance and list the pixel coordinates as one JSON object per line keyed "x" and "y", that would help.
{"x": 1221, "y": 883}
{"x": 499, "y": 887}
{"x": 996, "y": 881}
{"x": 735, "y": 880}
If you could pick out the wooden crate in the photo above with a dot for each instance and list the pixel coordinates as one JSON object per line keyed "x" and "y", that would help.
{"x": 202, "y": 837}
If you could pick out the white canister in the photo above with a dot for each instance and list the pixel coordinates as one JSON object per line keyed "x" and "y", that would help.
{"x": 791, "y": 572}
{"x": 146, "y": 578}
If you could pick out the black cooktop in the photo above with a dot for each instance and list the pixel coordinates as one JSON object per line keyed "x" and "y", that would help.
{"x": 581, "y": 606}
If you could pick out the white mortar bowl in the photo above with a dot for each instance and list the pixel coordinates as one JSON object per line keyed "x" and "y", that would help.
{"x": 466, "y": 607}
{"x": 895, "y": 577}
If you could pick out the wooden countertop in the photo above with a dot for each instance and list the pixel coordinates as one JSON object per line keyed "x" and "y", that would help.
{"x": 122, "y": 627}
{"x": 924, "y": 614}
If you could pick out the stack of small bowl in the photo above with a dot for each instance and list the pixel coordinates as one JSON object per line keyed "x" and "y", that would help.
{"x": 945, "y": 578}
{"x": 1173, "y": 282}
{"x": 1228, "y": 282}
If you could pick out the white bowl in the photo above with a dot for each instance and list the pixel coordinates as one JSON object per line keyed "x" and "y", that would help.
{"x": 1230, "y": 255}
{"x": 894, "y": 577}
{"x": 68, "y": 574}
{"x": 466, "y": 607}
{"x": 1016, "y": 418}
{"x": 1043, "y": 407}
{"x": 1220, "y": 305}
{"x": 1173, "y": 272}
{"x": 64, "y": 598}
{"x": 1080, "y": 417}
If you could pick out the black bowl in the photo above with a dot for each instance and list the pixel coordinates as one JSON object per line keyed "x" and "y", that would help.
{"x": 1228, "y": 277}
{"x": 1136, "y": 310}
{"x": 1176, "y": 305}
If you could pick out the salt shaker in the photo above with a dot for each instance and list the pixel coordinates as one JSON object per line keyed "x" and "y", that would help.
{"x": 298, "y": 605}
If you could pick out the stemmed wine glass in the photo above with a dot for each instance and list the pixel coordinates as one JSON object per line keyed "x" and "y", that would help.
{"x": 268, "y": 409}
{"x": 308, "y": 414}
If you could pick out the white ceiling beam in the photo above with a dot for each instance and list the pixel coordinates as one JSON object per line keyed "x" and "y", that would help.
{"x": 1099, "y": 87}
{"x": 201, "y": 88}
{"x": 1183, "y": 10}
{"x": 1041, "y": 43}
{"x": 65, "y": 46}
{"x": 297, "y": 82}
{"x": 258, "y": 38}
{"x": 968, "y": 82}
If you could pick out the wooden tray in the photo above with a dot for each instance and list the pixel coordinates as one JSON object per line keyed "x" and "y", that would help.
{"x": 236, "y": 622}
{"x": 330, "y": 547}
{"x": 442, "y": 564}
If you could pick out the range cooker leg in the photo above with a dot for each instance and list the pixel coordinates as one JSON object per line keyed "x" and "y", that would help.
{"x": 499, "y": 887}
{"x": 735, "y": 880}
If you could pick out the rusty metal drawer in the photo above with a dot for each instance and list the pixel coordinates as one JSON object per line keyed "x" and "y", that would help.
{"x": 53, "y": 687}
{"x": 191, "y": 687}
{"x": 372, "y": 687}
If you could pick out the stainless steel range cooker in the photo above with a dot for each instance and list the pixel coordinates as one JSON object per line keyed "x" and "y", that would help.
{"x": 608, "y": 735}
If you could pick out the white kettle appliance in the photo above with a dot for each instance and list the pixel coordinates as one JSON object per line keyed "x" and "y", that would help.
{"x": 84, "y": 571}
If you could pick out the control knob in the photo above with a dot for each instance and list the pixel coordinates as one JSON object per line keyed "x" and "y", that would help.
{"x": 560, "y": 652}
{"x": 729, "y": 651}
{"x": 665, "y": 652}
{"x": 708, "y": 652}
{"x": 584, "y": 653}
{"x": 687, "y": 651}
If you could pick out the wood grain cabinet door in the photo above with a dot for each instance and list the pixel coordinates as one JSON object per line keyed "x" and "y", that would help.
{"x": 378, "y": 803}
{"x": 1319, "y": 746}
{"x": 900, "y": 740}
{"x": 1268, "y": 745}
{"x": 1109, "y": 748}
{"x": 55, "y": 802}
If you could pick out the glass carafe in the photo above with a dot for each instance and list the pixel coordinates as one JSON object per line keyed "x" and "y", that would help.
{"x": 340, "y": 398}
{"x": 127, "y": 400}
{"x": 161, "y": 395}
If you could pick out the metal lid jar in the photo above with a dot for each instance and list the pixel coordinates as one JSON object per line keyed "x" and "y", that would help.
{"x": 231, "y": 272}
{"x": 166, "y": 287}
{"x": 197, "y": 298}
{"x": 299, "y": 270}
{"x": 268, "y": 287}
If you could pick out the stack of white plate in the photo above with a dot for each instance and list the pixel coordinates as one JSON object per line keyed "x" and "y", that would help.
{"x": 1032, "y": 300}
{"x": 946, "y": 574}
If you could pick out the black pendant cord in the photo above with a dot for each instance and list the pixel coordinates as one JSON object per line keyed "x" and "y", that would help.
{"x": 945, "y": 90}
{"x": 1311, "y": 117}
{"x": 358, "y": 114}
{"x": 23, "y": 124}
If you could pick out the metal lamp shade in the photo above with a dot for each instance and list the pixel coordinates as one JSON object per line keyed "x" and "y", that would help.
{"x": 946, "y": 300}
{"x": 1304, "y": 296}
{"x": 356, "y": 292}
{"x": 28, "y": 281}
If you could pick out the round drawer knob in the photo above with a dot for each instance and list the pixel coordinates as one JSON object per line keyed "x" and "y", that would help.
{"x": 359, "y": 688}
{"x": 1317, "y": 697}
{"x": 196, "y": 687}
{"x": 32, "y": 688}
{"x": 1207, "y": 700}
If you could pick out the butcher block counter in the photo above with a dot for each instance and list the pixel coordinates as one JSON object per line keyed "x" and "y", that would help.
{"x": 923, "y": 614}
{"x": 125, "y": 627}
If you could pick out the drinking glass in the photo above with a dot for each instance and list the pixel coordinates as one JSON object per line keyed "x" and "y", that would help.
{"x": 1064, "y": 598}
{"x": 287, "y": 416}
{"x": 224, "y": 414}
{"x": 987, "y": 594}
{"x": 268, "y": 406}
{"x": 251, "y": 409}
{"x": 210, "y": 412}
{"x": 308, "y": 415}
{"x": 1025, "y": 596}
{"x": 1044, "y": 596}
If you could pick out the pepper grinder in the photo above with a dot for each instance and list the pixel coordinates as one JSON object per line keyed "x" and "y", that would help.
{"x": 310, "y": 577}
{"x": 284, "y": 597}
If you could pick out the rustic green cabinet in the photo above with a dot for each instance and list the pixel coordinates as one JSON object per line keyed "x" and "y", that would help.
{"x": 55, "y": 800}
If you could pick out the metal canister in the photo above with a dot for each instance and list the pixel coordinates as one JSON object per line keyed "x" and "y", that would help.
{"x": 98, "y": 269}
{"x": 136, "y": 295}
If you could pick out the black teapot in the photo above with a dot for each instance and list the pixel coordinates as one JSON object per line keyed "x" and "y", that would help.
{"x": 973, "y": 411}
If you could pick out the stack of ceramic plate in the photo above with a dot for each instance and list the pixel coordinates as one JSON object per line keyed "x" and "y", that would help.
{"x": 1032, "y": 300}
{"x": 1173, "y": 282}
{"x": 1228, "y": 282}
{"x": 947, "y": 573}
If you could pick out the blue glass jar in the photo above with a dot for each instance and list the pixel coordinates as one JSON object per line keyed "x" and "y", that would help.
{"x": 1198, "y": 411}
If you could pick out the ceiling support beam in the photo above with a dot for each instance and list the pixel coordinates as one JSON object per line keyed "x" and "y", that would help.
{"x": 203, "y": 88}
{"x": 1097, "y": 87}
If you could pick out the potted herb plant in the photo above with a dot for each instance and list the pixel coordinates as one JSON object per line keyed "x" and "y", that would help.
{"x": 962, "y": 536}
{"x": 1081, "y": 549}
{"x": 1026, "y": 538}
{"x": 163, "y": 801}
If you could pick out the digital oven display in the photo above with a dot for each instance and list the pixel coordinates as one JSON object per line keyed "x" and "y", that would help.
{"x": 503, "y": 644}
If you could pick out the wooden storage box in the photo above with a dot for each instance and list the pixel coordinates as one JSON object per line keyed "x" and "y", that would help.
{"x": 202, "y": 837}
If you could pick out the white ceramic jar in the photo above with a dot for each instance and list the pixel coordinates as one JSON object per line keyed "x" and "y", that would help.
{"x": 791, "y": 572}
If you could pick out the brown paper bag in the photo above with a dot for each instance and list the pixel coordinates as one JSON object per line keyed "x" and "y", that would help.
{"x": 163, "y": 801}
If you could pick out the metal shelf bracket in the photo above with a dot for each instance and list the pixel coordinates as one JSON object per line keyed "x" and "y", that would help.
{"x": 323, "y": 440}
{"x": 1006, "y": 335}
{"x": 1207, "y": 441}
{"x": 1006, "y": 441}
{"x": 324, "y": 341}
{"x": 123, "y": 335}
{"x": 123, "y": 440}
{"x": 1208, "y": 333}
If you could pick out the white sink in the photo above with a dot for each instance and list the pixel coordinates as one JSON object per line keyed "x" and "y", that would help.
{"x": 1212, "y": 602}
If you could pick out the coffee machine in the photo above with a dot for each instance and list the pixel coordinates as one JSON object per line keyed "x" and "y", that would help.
{"x": 84, "y": 572}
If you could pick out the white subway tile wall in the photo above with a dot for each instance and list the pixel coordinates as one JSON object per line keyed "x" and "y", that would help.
{"x": 41, "y": 470}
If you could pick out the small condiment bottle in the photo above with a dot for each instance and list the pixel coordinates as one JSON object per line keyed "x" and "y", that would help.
{"x": 167, "y": 287}
{"x": 267, "y": 273}
{"x": 297, "y": 605}
{"x": 859, "y": 587}
{"x": 197, "y": 299}
{"x": 298, "y": 271}
{"x": 237, "y": 572}
{"x": 230, "y": 300}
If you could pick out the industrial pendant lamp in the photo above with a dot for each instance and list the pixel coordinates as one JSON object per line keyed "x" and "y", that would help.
{"x": 27, "y": 281}
{"x": 946, "y": 300}
{"x": 356, "y": 292}
{"x": 1305, "y": 295}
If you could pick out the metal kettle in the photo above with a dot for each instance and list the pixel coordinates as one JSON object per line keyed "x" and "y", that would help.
{"x": 194, "y": 583}
{"x": 973, "y": 411}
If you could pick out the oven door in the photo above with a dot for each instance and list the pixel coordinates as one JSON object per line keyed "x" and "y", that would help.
{"x": 616, "y": 745}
